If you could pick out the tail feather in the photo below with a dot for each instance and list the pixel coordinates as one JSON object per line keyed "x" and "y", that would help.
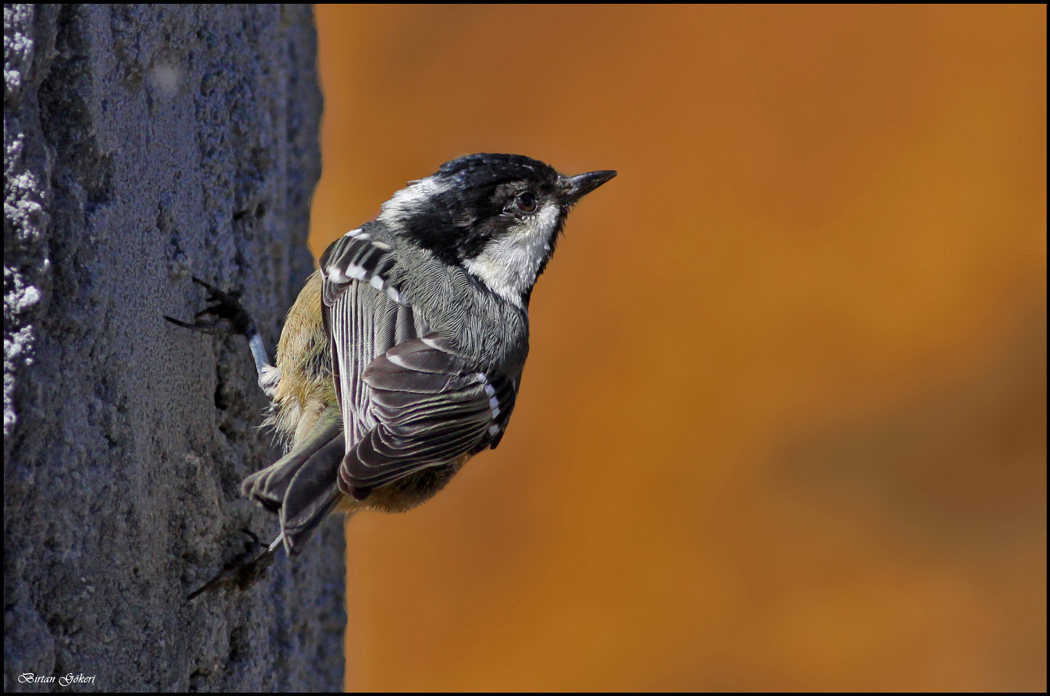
{"x": 303, "y": 485}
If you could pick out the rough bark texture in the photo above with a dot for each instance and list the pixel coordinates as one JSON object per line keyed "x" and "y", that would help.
{"x": 144, "y": 144}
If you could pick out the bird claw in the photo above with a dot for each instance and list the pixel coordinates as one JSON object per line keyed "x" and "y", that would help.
{"x": 243, "y": 570}
{"x": 229, "y": 315}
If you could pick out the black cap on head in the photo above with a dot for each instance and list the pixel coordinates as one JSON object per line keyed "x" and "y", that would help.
{"x": 488, "y": 169}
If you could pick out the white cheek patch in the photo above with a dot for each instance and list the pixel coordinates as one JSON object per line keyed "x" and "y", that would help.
{"x": 509, "y": 264}
{"x": 543, "y": 222}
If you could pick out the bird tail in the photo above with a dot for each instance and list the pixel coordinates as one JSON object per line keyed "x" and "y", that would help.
{"x": 303, "y": 486}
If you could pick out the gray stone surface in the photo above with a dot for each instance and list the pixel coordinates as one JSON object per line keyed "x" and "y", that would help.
{"x": 144, "y": 144}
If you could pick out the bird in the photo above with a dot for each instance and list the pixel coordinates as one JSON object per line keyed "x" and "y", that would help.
{"x": 402, "y": 357}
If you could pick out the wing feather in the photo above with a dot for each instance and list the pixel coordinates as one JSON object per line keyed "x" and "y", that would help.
{"x": 432, "y": 406}
{"x": 362, "y": 320}
{"x": 408, "y": 399}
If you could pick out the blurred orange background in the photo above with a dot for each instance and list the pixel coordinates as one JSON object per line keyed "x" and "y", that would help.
{"x": 783, "y": 424}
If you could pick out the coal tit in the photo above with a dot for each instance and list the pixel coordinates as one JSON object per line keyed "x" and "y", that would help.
{"x": 402, "y": 356}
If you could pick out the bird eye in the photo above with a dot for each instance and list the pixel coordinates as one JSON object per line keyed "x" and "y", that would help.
{"x": 526, "y": 202}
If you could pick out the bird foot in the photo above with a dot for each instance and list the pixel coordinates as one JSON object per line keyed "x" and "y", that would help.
{"x": 244, "y": 570}
{"x": 223, "y": 315}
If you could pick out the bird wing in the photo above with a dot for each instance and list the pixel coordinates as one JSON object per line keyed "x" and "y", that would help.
{"x": 409, "y": 400}
{"x": 432, "y": 406}
{"x": 364, "y": 316}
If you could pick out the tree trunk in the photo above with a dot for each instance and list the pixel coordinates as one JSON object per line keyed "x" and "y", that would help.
{"x": 143, "y": 145}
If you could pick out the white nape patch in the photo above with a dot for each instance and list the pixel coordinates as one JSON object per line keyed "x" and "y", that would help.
{"x": 408, "y": 200}
{"x": 508, "y": 265}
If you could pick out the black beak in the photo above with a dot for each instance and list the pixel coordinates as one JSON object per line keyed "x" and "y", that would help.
{"x": 576, "y": 187}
